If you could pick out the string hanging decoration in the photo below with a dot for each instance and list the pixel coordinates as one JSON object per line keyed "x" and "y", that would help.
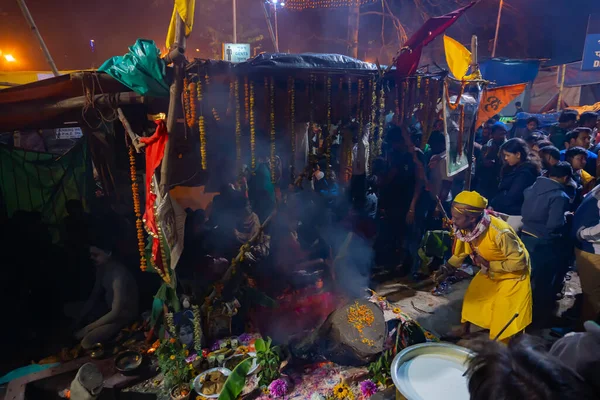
{"x": 329, "y": 135}
{"x": 373, "y": 86}
{"x": 292, "y": 105}
{"x": 238, "y": 125}
{"x": 272, "y": 120}
{"x": 135, "y": 191}
{"x": 252, "y": 128}
{"x": 201, "y": 127}
{"x": 299, "y": 5}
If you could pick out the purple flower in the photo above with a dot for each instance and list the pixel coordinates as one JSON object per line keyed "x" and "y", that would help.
{"x": 278, "y": 388}
{"x": 368, "y": 388}
{"x": 216, "y": 346}
{"x": 245, "y": 338}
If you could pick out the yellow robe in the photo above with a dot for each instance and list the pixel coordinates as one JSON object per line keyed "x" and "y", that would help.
{"x": 492, "y": 300}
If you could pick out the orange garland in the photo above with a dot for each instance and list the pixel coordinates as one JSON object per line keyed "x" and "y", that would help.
{"x": 139, "y": 226}
{"x": 451, "y": 105}
{"x": 192, "y": 102}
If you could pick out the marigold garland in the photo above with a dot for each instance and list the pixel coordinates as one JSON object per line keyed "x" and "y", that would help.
{"x": 272, "y": 112}
{"x": 246, "y": 101}
{"x": 170, "y": 325}
{"x": 381, "y": 120}
{"x": 450, "y": 104}
{"x": 202, "y": 142}
{"x": 139, "y": 225}
{"x": 238, "y": 125}
{"x": 186, "y": 102}
{"x": 329, "y": 136}
{"x": 372, "y": 119}
{"x": 359, "y": 104}
{"x": 350, "y": 96}
{"x": 461, "y": 128}
{"x": 192, "y": 103}
{"x": 252, "y": 128}
{"x": 197, "y": 330}
{"x": 215, "y": 114}
{"x": 292, "y": 97}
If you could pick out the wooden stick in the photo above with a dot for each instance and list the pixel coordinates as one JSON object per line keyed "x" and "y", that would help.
{"x": 506, "y": 326}
{"x": 135, "y": 139}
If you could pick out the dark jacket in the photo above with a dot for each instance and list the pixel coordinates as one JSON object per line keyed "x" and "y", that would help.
{"x": 513, "y": 183}
{"x": 544, "y": 208}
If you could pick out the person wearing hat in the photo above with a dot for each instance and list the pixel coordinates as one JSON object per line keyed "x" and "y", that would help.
{"x": 502, "y": 288}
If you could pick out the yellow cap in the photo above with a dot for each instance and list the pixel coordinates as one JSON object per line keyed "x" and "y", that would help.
{"x": 472, "y": 199}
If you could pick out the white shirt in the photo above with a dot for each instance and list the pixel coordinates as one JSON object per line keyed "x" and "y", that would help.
{"x": 360, "y": 154}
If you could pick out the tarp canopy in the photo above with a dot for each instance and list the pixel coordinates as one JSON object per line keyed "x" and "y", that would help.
{"x": 11, "y": 79}
{"x": 306, "y": 61}
{"x": 504, "y": 72}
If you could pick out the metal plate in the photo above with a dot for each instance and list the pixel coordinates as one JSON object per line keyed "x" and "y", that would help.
{"x": 198, "y": 386}
{"x": 431, "y": 371}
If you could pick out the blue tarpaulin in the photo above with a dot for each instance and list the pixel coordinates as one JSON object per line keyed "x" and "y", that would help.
{"x": 509, "y": 72}
{"x": 574, "y": 76}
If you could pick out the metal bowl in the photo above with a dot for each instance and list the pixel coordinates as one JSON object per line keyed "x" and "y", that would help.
{"x": 128, "y": 362}
{"x": 431, "y": 371}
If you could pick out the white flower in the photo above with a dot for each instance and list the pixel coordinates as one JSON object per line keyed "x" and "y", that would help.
{"x": 317, "y": 396}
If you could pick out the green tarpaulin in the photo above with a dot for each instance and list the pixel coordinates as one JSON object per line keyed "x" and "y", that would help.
{"x": 43, "y": 182}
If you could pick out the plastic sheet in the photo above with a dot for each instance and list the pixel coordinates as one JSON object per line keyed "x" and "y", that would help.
{"x": 142, "y": 69}
{"x": 306, "y": 61}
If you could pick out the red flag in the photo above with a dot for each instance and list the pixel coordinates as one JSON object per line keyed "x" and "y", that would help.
{"x": 408, "y": 60}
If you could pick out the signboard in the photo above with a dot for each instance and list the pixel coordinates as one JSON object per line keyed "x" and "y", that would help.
{"x": 68, "y": 133}
{"x": 591, "y": 53}
{"x": 236, "y": 52}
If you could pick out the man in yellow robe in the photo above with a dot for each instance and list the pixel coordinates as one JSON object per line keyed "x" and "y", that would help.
{"x": 502, "y": 287}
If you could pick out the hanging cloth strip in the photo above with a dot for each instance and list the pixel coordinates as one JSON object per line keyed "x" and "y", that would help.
{"x": 155, "y": 149}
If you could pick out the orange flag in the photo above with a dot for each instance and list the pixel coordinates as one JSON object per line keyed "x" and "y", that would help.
{"x": 495, "y": 99}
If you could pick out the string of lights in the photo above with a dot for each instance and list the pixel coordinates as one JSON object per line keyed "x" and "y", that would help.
{"x": 299, "y": 5}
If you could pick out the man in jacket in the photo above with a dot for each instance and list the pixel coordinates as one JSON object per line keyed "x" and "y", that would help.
{"x": 543, "y": 234}
{"x": 586, "y": 229}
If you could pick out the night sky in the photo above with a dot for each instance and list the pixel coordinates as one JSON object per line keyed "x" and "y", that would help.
{"x": 529, "y": 29}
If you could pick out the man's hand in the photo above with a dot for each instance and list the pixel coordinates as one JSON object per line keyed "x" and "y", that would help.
{"x": 442, "y": 273}
{"x": 482, "y": 263}
{"x": 410, "y": 217}
{"x": 80, "y": 334}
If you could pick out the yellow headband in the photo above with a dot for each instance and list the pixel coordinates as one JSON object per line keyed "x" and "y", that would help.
{"x": 471, "y": 210}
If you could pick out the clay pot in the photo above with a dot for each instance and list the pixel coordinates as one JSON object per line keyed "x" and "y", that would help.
{"x": 177, "y": 389}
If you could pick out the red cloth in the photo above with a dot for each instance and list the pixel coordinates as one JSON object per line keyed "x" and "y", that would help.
{"x": 408, "y": 61}
{"x": 155, "y": 150}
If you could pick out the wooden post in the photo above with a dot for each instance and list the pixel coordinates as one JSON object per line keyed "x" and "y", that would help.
{"x": 471, "y": 142}
{"x": 561, "y": 70}
{"x": 497, "y": 27}
{"x": 353, "y": 23}
{"x": 174, "y": 100}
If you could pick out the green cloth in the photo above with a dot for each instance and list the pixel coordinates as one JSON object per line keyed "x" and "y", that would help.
{"x": 44, "y": 182}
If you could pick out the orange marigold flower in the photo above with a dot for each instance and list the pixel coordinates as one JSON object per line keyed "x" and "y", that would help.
{"x": 172, "y": 340}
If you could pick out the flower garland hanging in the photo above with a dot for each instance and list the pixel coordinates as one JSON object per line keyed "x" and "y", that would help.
{"x": 311, "y": 100}
{"x": 350, "y": 97}
{"x": 186, "y": 102}
{"x": 246, "y": 101}
{"x": 292, "y": 97}
{"x": 197, "y": 330}
{"x": 139, "y": 226}
{"x": 238, "y": 125}
{"x": 202, "y": 127}
{"x": 252, "y": 128}
{"x": 272, "y": 115}
{"x": 192, "y": 104}
{"x": 461, "y": 128}
{"x": 450, "y": 104}
{"x": 359, "y": 104}
{"x": 372, "y": 119}
{"x": 381, "y": 120}
{"x": 328, "y": 141}
{"x": 170, "y": 324}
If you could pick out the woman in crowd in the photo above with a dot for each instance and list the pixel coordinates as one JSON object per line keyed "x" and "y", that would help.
{"x": 502, "y": 288}
{"x": 520, "y": 170}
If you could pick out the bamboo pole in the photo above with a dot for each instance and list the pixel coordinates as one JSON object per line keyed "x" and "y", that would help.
{"x": 471, "y": 142}
{"x": 175, "y": 91}
{"x": 37, "y": 33}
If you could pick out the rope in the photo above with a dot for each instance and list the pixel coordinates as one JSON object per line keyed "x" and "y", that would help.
{"x": 90, "y": 102}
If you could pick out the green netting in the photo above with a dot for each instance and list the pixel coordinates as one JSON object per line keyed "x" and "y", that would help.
{"x": 44, "y": 182}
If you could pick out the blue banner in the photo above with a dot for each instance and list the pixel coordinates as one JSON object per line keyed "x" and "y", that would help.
{"x": 591, "y": 53}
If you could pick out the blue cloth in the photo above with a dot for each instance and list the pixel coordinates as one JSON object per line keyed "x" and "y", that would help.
{"x": 586, "y": 216}
{"x": 544, "y": 207}
{"x": 509, "y": 72}
{"x": 513, "y": 183}
{"x": 501, "y": 125}
{"x": 24, "y": 371}
{"x": 592, "y": 160}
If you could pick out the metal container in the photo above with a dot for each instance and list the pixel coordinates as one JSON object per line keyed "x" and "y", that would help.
{"x": 430, "y": 371}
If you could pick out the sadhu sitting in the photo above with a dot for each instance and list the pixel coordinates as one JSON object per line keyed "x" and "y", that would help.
{"x": 502, "y": 288}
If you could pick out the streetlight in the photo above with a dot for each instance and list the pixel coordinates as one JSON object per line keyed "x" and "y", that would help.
{"x": 275, "y": 2}
{"x": 9, "y": 58}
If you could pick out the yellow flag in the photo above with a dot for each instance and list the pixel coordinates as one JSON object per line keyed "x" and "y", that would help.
{"x": 185, "y": 9}
{"x": 495, "y": 99}
{"x": 457, "y": 57}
